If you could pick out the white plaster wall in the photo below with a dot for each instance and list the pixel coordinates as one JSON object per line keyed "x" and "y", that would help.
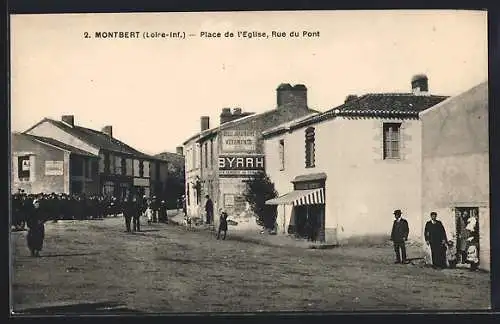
{"x": 326, "y": 160}
{"x": 371, "y": 188}
{"x": 47, "y": 129}
{"x": 362, "y": 189}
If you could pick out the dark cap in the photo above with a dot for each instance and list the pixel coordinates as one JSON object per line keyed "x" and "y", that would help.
{"x": 397, "y": 212}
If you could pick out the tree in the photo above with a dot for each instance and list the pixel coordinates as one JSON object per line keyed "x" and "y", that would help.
{"x": 258, "y": 190}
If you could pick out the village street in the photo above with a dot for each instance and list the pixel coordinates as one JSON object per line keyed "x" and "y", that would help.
{"x": 166, "y": 268}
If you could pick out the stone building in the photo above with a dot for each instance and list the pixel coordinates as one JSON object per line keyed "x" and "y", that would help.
{"x": 220, "y": 159}
{"x": 455, "y": 166}
{"x": 121, "y": 169}
{"x": 343, "y": 172}
{"x": 41, "y": 164}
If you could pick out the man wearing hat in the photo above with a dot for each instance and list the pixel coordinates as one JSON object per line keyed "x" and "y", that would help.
{"x": 399, "y": 235}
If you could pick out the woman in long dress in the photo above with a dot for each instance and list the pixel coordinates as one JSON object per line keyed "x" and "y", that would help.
{"x": 36, "y": 229}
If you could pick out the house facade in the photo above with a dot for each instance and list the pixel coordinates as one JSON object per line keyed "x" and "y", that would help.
{"x": 341, "y": 174}
{"x": 41, "y": 164}
{"x": 455, "y": 166}
{"x": 221, "y": 159}
{"x": 121, "y": 169}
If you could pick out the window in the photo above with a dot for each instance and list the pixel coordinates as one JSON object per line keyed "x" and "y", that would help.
{"x": 206, "y": 154}
{"x": 145, "y": 168}
{"x": 102, "y": 163}
{"x": 391, "y": 140}
{"x": 76, "y": 166}
{"x": 141, "y": 169}
{"x": 118, "y": 165}
{"x": 211, "y": 153}
{"x": 23, "y": 168}
{"x": 188, "y": 194}
{"x": 123, "y": 163}
{"x": 106, "y": 163}
{"x": 112, "y": 164}
{"x": 282, "y": 154}
{"x": 310, "y": 149}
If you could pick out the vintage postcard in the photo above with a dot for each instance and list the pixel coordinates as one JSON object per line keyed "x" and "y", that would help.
{"x": 249, "y": 162}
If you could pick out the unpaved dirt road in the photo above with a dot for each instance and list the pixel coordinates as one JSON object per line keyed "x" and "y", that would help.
{"x": 168, "y": 269}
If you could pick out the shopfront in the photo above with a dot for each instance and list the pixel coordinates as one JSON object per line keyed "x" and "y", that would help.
{"x": 307, "y": 218}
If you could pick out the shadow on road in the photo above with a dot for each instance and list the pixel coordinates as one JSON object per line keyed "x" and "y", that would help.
{"x": 81, "y": 308}
{"x": 67, "y": 254}
{"x": 150, "y": 230}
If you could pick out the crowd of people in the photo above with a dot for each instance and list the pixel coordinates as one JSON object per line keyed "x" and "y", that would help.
{"x": 34, "y": 210}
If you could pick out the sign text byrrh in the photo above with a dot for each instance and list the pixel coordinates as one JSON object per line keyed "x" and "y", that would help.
{"x": 246, "y": 162}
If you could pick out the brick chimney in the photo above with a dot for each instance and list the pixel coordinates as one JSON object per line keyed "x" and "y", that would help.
{"x": 108, "y": 130}
{"x": 179, "y": 150}
{"x": 350, "y": 98}
{"x": 205, "y": 123}
{"x": 420, "y": 84}
{"x": 287, "y": 94}
{"x": 225, "y": 115}
{"x": 68, "y": 119}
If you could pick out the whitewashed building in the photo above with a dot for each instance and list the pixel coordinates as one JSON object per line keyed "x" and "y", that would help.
{"x": 455, "y": 166}
{"x": 346, "y": 170}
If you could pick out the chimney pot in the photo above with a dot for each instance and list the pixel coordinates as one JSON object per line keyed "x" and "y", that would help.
{"x": 237, "y": 111}
{"x": 205, "y": 123}
{"x": 420, "y": 84}
{"x": 68, "y": 119}
{"x": 350, "y": 98}
{"x": 297, "y": 95}
{"x": 108, "y": 130}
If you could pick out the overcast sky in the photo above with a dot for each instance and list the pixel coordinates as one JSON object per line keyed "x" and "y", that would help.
{"x": 153, "y": 91}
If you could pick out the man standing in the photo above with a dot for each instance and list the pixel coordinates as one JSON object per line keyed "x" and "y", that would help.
{"x": 136, "y": 214}
{"x": 435, "y": 237}
{"x": 128, "y": 212}
{"x": 209, "y": 209}
{"x": 399, "y": 235}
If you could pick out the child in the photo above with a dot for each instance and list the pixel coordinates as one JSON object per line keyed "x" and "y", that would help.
{"x": 451, "y": 255}
{"x": 222, "y": 225}
{"x": 149, "y": 214}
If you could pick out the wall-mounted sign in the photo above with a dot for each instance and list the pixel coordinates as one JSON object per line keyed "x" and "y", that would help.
{"x": 23, "y": 167}
{"x": 141, "y": 182}
{"x": 245, "y": 162}
{"x": 239, "y": 141}
{"x": 238, "y": 173}
{"x": 25, "y": 164}
{"x": 54, "y": 168}
{"x": 228, "y": 200}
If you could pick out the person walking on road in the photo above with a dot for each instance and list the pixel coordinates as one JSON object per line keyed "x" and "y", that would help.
{"x": 399, "y": 235}
{"x": 435, "y": 237}
{"x": 36, "y": 229}
{"x": 136, "y": 214}
{"x": 222, "y": 225}
{"x": 209, "y": 209}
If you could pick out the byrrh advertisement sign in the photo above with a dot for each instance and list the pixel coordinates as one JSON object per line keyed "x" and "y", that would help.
{"x": 239, "y": 141}
{"x": 243, "y": 162}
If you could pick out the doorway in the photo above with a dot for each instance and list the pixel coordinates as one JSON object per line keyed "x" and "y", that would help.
{"x": 467, "y": 229}
{"x": 309, "y": 222}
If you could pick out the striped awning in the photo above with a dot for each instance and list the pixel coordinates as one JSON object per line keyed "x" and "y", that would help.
{"x": 300, "y": 197}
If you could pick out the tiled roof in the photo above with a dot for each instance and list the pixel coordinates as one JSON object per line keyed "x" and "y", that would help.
{"x": 58, "y": 144}
{"x": 286, "y": 125}
{"x": 100, "y": 140}
{"x": 402, "y": 105}
{"x": 236, "y": 122}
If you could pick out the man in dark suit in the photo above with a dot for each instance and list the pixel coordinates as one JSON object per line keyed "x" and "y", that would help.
{"x": 209, "y": 209}
{"x": 435, "y": 237}
{"x": 399, "y": 235}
